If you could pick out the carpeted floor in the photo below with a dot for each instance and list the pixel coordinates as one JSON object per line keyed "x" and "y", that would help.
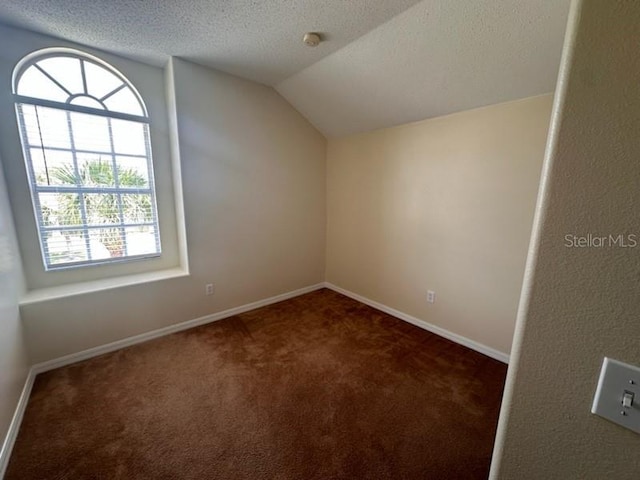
{"x": 317, "y": 387}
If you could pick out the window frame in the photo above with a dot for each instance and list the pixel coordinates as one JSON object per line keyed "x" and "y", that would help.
{"x": 67, "y": 107}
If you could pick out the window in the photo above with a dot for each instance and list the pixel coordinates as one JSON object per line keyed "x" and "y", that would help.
{"x": 85, "y": 137}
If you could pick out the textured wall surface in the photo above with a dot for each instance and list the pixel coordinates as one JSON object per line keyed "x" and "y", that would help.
{"x": 253, "y": 174}
{"x": 580, "y": 304}
{"x": 13, "y": 357}
{"x": 444, "y": 204}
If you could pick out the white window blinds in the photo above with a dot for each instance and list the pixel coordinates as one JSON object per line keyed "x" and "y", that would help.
{"x": 85, "y": 137}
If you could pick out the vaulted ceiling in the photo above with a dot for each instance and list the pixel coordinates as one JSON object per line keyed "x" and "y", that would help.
{"x": 382, "y": 62}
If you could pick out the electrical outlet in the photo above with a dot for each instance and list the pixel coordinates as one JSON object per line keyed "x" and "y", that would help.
{"x": 208, "y": 289}
{"x": 431, "y": 296}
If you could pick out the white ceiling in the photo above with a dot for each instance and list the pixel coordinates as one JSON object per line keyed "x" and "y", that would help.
{"x": 436, "y": 58}
{"x": 384, "y": 62}
{"x": 256, "y": 39}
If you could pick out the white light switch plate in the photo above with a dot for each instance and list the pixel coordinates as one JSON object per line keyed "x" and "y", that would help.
{"x": 616, "y": 380}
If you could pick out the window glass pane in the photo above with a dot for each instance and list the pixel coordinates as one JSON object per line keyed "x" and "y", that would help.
{"x": 85, "y": 101}
{"x": 60, "y": 209}
{"x": 65, "y": 246}
{"x": 129, "y": 137}
{"x": 34, "y": 83}
{"x": 46, "y": 124}
{"x": 53, "y": 167}
{"x": 90, "y": 132}
{"x": 102, "y": 208}
{"x": 66, "y": 71}
{"x": 106, "y": 243}
{"x": 96, "y": 170}
{"x": 132, "y": 172}
{"x": 141, "y": 240}
{"x": 124, "y": 101}
{"x": 54, "y": 127}
{"x": 100, "y": 81}
{"x": 29, "y": 124}
{"x": 136, "y": 208}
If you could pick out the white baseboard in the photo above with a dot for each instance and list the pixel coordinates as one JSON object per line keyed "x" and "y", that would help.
{"x": 14, "y": 426}
{"x": 161, "y": 332}
{"x": 454, "y": 337}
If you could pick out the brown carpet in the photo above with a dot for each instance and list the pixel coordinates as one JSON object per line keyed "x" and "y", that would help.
{"x": 317, "y": 387}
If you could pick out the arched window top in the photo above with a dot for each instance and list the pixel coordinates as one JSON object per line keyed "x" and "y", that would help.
{"x": 75, "y": 78}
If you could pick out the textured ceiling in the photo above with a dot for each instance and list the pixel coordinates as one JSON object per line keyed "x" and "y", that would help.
{"x": 385, "y": 62}
{"x": 436, "y": 58}
{"x": 256, "y": 39}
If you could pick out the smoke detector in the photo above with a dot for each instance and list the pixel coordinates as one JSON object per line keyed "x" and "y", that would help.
{"x": 311, "y": 39}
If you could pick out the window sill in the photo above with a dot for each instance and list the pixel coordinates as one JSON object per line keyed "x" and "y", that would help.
{"x": 54, "y": 293}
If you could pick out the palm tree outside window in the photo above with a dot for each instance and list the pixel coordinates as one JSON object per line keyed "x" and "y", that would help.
{"x": 85, "y": 137}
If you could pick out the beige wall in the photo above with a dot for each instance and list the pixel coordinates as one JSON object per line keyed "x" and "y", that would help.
{"x": 580, "y": 304}
{"x": 253, "y": 174}
{"x": 444, "y": 204}
{"x": 13, "y": 357}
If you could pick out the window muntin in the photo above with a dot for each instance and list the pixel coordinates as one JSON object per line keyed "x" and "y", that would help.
{"x": 85, "y": 137}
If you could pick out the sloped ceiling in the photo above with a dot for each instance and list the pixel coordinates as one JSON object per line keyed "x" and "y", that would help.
{"x": 384, "y": 62}
{"x": 436, "y": 58}
{"x": 260, "y": 40}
